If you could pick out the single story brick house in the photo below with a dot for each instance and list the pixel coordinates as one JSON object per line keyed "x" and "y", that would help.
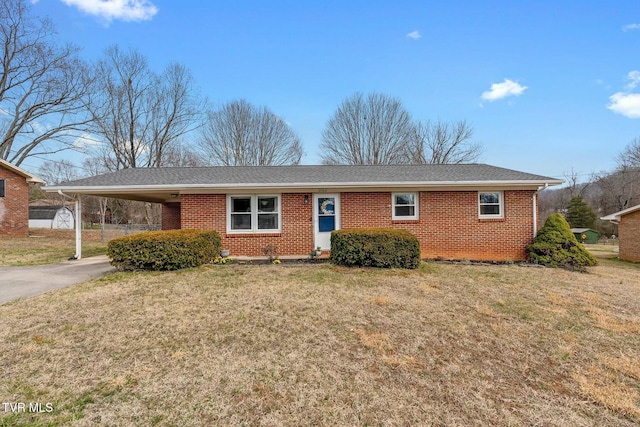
{"x": 628, "y": 221}
{"x": 14, "y": 199}
{"x": 472, "y": 211}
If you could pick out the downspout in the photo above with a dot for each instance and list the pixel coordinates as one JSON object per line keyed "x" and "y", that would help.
{"x": 535, "y": 209}
{"x": 78, "y": 224}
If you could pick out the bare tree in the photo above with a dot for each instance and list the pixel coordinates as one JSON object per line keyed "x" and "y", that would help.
{"x": 94, "y": 166}
{"x": 368, "y": 130}
{"x": 242, "y": 134}
{"x": 574, "y": 187}
{"x": 54, "y": 172}
{"x": 445, "y": 143}
{"x": 630, "y": 156}
{"x": 181, "y": 155}
{"x": 620, "y": 189}
{"x": 138, "y": 113}
{"x": 41, "y": 87}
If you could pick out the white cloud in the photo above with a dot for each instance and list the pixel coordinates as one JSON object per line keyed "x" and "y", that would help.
{"x": 414, "y": 35}
{"x": 85, "y": 141}
{"x": 631, "y": 27}
{"x": 125, "y": 10}
{"x": 634, "y": 77}
{"x": 503, "y": 90}
{"x": 627, "y": 104}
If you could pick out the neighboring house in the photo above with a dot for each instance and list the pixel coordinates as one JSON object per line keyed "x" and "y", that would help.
{"x": 585, "y": 235}
{"x": 56, "y": 217}
{"x": 474, "y": 211}
{"x": 14, "y": 199}
{"x": 628, "y": 221}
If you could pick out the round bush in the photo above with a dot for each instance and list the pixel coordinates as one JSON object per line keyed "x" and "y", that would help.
{"x": 164, "y": 250}
{"x": 375, "y": 247}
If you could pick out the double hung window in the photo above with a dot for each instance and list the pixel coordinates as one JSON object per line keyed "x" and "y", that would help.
{"x": 491, "y": 204}
{"x": 253, "y": 214}
{"x": 404, "y": 205}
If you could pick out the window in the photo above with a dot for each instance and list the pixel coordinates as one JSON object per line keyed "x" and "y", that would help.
{"x": 490, "y": 204}
{"x": 251, "y": 214}
{"x": 1, "y": 187}
{"x": 404, "y": 205}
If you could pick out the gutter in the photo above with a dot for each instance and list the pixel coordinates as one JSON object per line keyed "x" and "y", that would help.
{"x": 304, "y": 185}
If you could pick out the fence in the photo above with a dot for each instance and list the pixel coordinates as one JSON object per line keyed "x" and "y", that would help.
{"x": 111, "y": 231}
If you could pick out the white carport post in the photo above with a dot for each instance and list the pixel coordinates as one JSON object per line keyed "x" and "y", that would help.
{"x": 78, "y": 228}
{"x": 76, "y": 197}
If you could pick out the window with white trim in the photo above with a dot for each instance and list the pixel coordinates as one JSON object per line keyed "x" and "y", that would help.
{"x": 253, "y": 214}
{"x": 404, "y": 205}
{"x": 1, "y": 187}
{"x": 490, "y": 204}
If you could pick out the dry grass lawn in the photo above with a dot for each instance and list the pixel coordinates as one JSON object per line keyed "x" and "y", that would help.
{"x": 314, "y": 345}
{"x": 50, "y": 246}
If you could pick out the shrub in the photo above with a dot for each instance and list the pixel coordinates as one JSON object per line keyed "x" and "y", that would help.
{"x": 375, "y": 247}
{"x": 555, "y": 245}
{"x": 164, "y": 250}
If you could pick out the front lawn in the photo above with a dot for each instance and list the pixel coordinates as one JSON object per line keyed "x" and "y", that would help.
{"x": 321, "y": 345}
{"x": 48, "y": 247}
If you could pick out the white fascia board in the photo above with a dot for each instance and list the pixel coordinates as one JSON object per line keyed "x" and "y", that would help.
{"x": 30, "y": 177}
{"x": 616, "y": 216}
{"x": 195, "y": 188}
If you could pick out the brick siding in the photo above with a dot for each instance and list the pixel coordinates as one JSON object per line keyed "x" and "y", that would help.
{"x": 14, "y": 206}
{"x": 629, "y": 239}
{"x": 448, "y": 224}
{"x": 171, "y": 216}
{"x": 209, "y": 211}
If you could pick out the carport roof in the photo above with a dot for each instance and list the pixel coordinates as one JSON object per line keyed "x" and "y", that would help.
{"x": 158, "y": 184}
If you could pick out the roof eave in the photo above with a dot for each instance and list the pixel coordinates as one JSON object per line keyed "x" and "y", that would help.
{"x": 171, "y": 193}
{"x": 32, "y": 179}
{"x": 617, "y": 215}
{"x": 298, "y": 186}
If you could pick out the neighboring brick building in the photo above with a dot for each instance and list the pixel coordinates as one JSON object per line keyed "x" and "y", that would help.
{"x": 478, "y": 212}
{"x": 628, "y": 222}
{"x": 14, "y": 199}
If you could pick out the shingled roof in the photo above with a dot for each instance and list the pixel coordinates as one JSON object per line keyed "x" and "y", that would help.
{"x": 156, "y": 184}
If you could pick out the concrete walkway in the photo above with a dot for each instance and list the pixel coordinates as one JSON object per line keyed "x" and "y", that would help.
{"x": 21, "y": 282}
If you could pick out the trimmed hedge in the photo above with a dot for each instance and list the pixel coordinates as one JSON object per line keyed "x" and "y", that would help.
{"x": 164, "y": 250}
{"x": 375, "y": 247}
{"x": 555, "y": 245}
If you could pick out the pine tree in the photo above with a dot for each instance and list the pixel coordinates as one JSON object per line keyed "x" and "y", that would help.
{"x": 580, "y": 214}
{"x": 555, "y": 245}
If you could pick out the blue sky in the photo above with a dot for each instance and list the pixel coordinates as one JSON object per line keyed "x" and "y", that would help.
{"x": 549, "y": 86}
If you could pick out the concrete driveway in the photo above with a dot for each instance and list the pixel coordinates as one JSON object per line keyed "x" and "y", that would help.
{"x": 21, "y": 282}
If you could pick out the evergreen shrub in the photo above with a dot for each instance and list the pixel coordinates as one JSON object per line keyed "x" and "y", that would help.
{"x": 375, "y": 247}
{"x": 555, "y": 245}
{"x": 164, "y": 250}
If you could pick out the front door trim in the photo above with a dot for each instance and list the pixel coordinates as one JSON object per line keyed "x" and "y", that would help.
{"x": 323, "y": 239}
